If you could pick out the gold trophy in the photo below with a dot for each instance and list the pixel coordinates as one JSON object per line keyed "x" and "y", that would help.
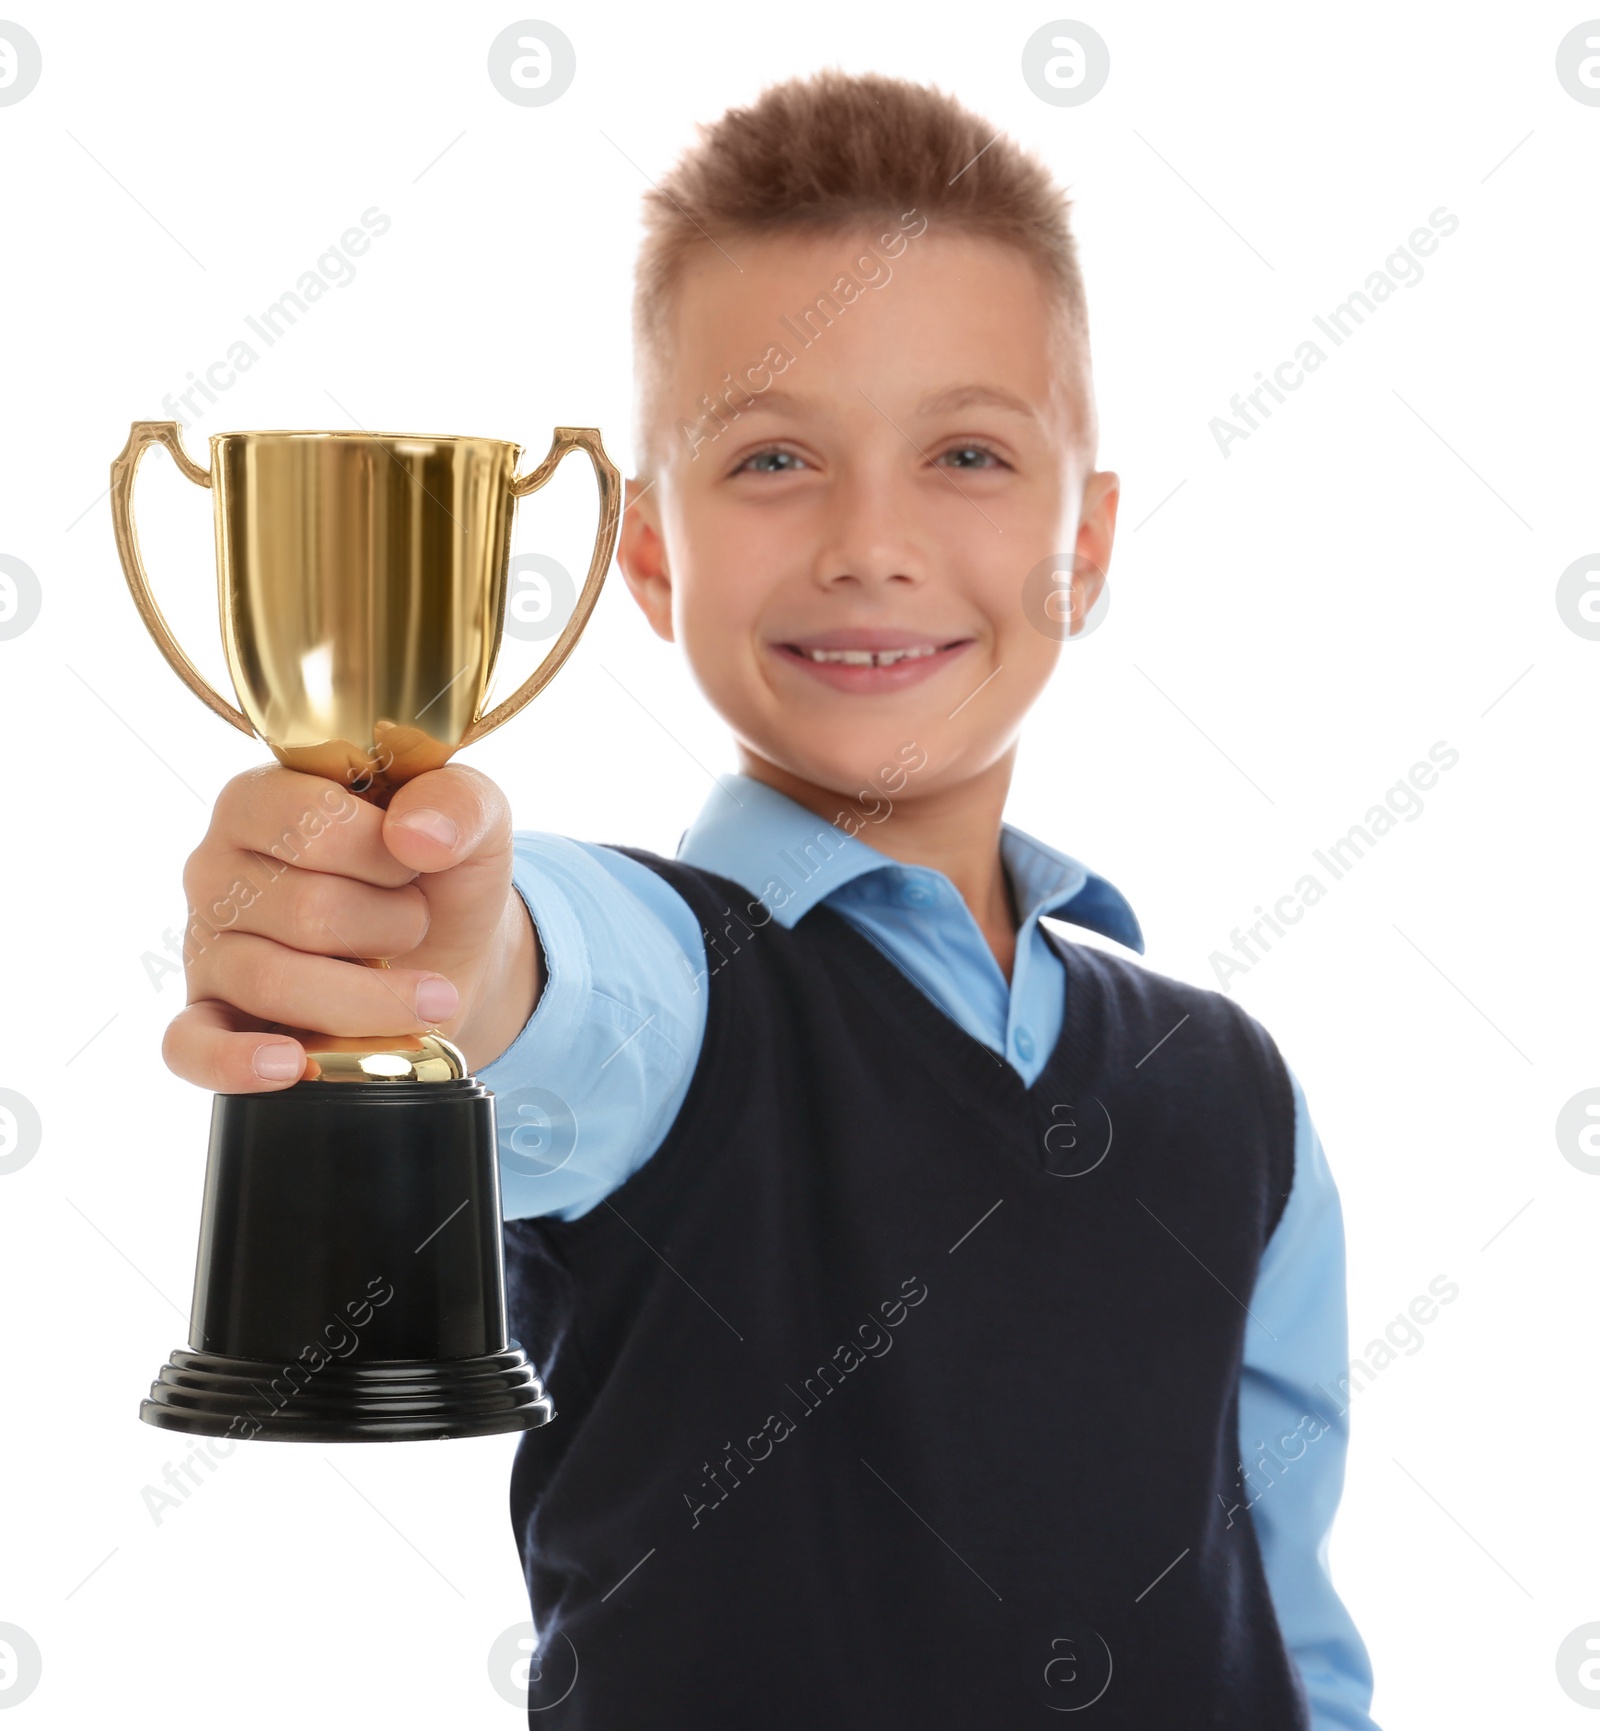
{"x": 350, "y": 1279}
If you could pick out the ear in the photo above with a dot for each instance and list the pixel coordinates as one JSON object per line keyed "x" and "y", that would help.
{"x": 642, "y": 554}
{"x": 1097, "y": 528}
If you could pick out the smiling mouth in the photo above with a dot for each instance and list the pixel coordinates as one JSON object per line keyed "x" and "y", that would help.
{"x": 872, "y": 657}
{"x": 869, "y": 667}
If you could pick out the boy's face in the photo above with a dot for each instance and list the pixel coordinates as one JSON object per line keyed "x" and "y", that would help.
{"x": 891, "y": 484}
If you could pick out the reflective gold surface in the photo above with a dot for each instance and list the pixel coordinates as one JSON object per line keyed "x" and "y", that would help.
{"x": 395, "y": 1058}
{"x": 361, "y": 584}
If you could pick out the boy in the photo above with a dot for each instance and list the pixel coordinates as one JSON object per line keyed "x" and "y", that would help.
{"x": 940, "y": 1315}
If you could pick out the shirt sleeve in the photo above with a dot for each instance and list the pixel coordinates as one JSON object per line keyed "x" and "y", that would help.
{"x": 587, "y": 1091}
{"x": 1293, "y": 1433}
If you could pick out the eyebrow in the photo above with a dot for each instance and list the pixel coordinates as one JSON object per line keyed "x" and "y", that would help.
{"x": 973, "y": 396}
{"x": 945, "y": 401}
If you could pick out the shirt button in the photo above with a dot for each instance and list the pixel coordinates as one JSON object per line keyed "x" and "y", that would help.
{"x": 916, "y": 894}
{"x": 1023, "y": 1041}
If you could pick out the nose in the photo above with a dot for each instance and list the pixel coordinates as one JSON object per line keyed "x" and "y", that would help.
{"x": 873, "y": 536}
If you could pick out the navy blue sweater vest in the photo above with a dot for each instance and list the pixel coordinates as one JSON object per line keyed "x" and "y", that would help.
{"x": 892, "y": 1392}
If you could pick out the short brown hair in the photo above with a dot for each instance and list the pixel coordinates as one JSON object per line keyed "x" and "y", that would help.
{"x": 829, "y": 152}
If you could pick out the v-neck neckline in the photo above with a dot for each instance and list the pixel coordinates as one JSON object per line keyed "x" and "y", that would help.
{"x": 1077, "y": 1045}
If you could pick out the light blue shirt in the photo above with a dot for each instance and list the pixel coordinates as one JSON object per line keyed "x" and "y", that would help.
{"x": 588, "y": 1090}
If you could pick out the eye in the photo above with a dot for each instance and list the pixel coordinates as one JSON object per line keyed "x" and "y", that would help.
{"x": 984, "y": 457}
{"x": 770, "y": 462}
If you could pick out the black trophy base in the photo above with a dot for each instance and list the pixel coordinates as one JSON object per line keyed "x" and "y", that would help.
{"x": 350, "y": 1281}
{"x": 398, "y": 1401}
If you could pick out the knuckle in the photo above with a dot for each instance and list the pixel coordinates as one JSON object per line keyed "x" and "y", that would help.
{"x": 309, "y": 926}
{"x": 197, "y": 874}
{"x": 241, "y": 796}
{"x": 183, "y": 1049}
{"x": 219, "y": 948}
{"x": 173, "y": 1046}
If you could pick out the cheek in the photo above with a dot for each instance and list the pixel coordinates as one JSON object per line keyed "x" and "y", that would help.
{"x": 713, "y": 607}
{"x": 723, "y": 579}
{"x": 714, "y": 623}
{"x": 1035, "y": 664}
{"x": 718, "y": 564}
{"x": 1027, "y": 653}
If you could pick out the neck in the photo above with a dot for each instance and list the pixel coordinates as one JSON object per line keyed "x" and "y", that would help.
{"x": 954, "y": 830}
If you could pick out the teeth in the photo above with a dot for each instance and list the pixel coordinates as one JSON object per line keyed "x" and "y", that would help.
{"x": 870, "y": 657}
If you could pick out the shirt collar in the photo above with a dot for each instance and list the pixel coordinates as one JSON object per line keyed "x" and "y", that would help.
{"x": 791, "y": 859}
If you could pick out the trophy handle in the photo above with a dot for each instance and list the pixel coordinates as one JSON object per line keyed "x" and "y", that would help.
{"x": 141, "y": 435}
{"x": 605, "y": 544}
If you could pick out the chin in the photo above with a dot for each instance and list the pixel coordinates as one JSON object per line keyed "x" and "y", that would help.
{"x": 874, "y": 768}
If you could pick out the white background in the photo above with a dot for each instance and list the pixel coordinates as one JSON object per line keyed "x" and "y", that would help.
{"x": 1291, "y": 627}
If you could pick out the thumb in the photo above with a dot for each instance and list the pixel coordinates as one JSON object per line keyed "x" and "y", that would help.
{"x": 453, "y": 827}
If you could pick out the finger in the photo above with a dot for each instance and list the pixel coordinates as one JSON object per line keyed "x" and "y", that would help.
{"x": 206, "y": 1045}
{"x": 319, "y": 913}
{"x": 271, "y": 983}
{"x": 453, "y": 826}
{"x": 291, "y": 819}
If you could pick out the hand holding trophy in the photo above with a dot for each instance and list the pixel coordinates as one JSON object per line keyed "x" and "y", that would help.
{"x": 350, "y": 1282}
